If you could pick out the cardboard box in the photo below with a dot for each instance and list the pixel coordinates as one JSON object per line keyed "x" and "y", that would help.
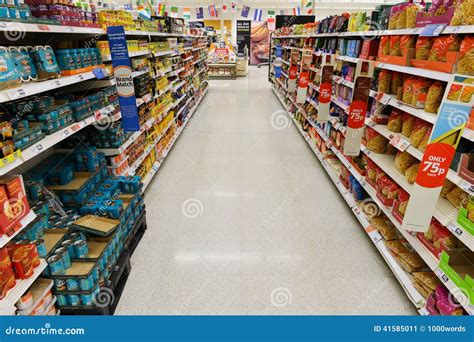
{"x": 13, "y": 204}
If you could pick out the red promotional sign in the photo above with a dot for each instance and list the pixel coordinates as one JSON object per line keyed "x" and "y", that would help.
{"x": 357, "y": 111}
{"x": 303, "y": 80}
{"x": 325, "y": 91}
{"x": 293, "y": 72}
{"x": 435, "y": 165}
{"x": 222, "y": 52}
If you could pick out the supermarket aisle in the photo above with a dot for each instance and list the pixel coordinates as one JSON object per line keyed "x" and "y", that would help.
{"x": 242, "y": 219}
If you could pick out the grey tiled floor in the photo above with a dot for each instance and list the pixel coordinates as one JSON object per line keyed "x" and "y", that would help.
{"x": 242, "y": 219}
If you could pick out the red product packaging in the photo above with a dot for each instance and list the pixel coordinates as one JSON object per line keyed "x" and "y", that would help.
{"x": 387, "y": 190}
{"x": 24, "y": 259}
{"x": 13, "y": 204}
{"x": 7, "y": 275}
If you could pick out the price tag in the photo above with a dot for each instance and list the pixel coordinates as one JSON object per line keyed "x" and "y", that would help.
{"x": 66, "y": 133}
{"x": 71, "y": 29}
{"x": 383, "y": 98}
{"x": 3, "y": 25}
{"x": 441, "y": 275}
{"x": 432, "y": 30}
{"x": 81, "y": 77}
{"x": 43, "y": 27}
{"x": 57, "y": 83}
{"x": 371, "y": 124}
{"x": 38, "y": 149}
{"x": 467, "y": 186}
{"x": 99, "y": 73}
{"x": 454, "y": 229}
{"x": 17, "y": 93}
{"x": 76, "y": 127}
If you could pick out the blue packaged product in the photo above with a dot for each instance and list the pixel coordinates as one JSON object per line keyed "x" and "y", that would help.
{"x": 9, "y": 74}
{"x": 86, "y": 283}
{"x": 14, "y": 12}
{"x": 64, "y": 254}
{"x": 4, "y": 12}
{"x": 87, "y": 299}
{"x": 60, "y": 284}
{"x": 74, "y": 300}
{"x": 56, "y": 266}
{"x": 69, "y": 245}
{"x": 77, "y": 58}
{"x": 61, "y": 300}
{"x": 41, "y": 247}
{"x": 81, "y": 249}
{"x": 95, "y": 274}
{"x": 113, "y": 209}
{"x": 72, "y": 284}
{"x": 45, "y": 62}
{"x": 24, "y": 63}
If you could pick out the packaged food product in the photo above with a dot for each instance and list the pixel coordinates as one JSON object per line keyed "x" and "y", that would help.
{"x": 425, "y": 140}
{"x": 397, "y": 246}
{"x": 385, "y": 79}
{"x": 441, "y": 45}
{"x": 448, "y": 186}
{"x": 419, "y": 130}
{"x": 407, "y": 124}
{"x": 391, "y": 149}
{"x": 445, "y": 304}
{"x": 423, "y": 48}
{"x": 434, "y": 97}
{"x": 408, "y": 90}
{"x": 395, "y": 121}
{"x": 412, "y": 11}
{"x": 407, "y": 41}
{"x": 467, "y": 94}
{"x": 385, "y": 45}
{"x": 389, "y": 189}
{"x": 421, "y": 289}
{"x": 402, "y": 16}
{"x": 412, "y": 172}
{"x": 385, "y": 228}
{"x": 395, "y": 48}
{"x": 404, "y": 160}
{"x": 394, "y": 15}
{"x": 10, "y": 76}
{"x": 443, "y": 239}
{"x": 396, "y": 82}
{"x": 465, "y": 65}
{"x": 464, "y": 13}
{"x": 458, "y": 197}
{"x": 45, "y": 62}
{"x": 420, "y": 92}
{"x": 375, "y": 141}
{"x": 371, "y": 170}
{"x": 429, "y": 279}
{"x": 403, "y": 198}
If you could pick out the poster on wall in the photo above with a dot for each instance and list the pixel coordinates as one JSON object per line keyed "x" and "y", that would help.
{"x": 259, "y": 43}
{"x": 243, "y": 35}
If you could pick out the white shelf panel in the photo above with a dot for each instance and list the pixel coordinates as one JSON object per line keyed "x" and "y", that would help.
{"x": 33, "y": 88}
{"x": 436, "y": 75}
{"x": 108, "y": 58}
{"x": 46, "y": 28}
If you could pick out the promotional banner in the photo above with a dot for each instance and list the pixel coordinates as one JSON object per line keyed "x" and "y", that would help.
{"x": 123, "y": 78}
{"x": 451, "y": 120}
{"x": 243, "y": 35}
{"x": 200, "y": 13}
{"x": 245, "y": 11}
{"x": 259, "y": 43}
{"x": 358, "y": 107}
{"x": 325, "y": 88}
{"x": 277, "y": 63}
{"x": 293, "y": 71}
{"x": 304, "y": 76}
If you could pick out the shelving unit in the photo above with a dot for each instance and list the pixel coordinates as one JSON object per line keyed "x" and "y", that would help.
{"x": 445, "y": 212}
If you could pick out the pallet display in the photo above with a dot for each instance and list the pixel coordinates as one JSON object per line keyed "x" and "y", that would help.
{"x": 83, "y": 169}
{"x": 374, "y": 139}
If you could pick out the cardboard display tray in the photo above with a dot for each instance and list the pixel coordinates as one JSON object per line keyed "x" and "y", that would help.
{"x": 80, "y": 179}
{"x": 96, "y": 225}
{"x": 53, "y": 238}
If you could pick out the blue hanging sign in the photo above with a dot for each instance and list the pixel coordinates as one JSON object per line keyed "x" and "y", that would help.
{"x": 123, "y": 77}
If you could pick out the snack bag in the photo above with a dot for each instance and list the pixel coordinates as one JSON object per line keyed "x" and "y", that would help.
{"x": 402, "y": 16}
{"x": 408, "y": 90}
{"x": 375, "y": 141}
{"x": 395, "y": 48}
{"x": 403, "y": 161}
{"x": 407, "y": 124}
{"x": 393, "y": 20}
{"x": 464, "y": 13}
{"x": 384, "y": 47}
{"x": 419, "y": 131}
{"x": 412, "y": 172}
{"x": 423, "y": 48}
{"x": 412, "y": 11}
{"x": 458, "y": 197}
{"x": 420, "y": 92}
{"x": 465, "y": 65}
{"x": 403, "y": 198}
{"x": 434, "y": 97}
{"x": 448, "y": 186}
{"x": 395, "y": 121}
{"x": 385, "y": 77}
{"x": 425, "y": 140}
{"x": 441, "y": 45}
{"x": 396, "y": 82}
